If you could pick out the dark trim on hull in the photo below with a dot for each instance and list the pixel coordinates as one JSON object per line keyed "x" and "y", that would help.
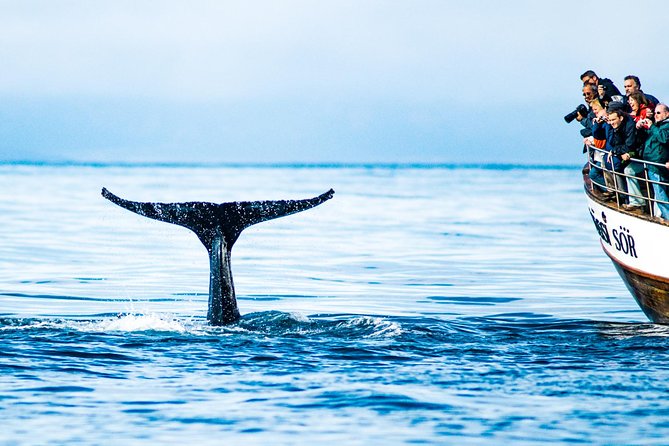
{"x": 651, "y": 292}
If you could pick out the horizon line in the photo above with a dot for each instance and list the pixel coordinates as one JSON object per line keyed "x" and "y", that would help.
{"x": 284, "y": 165}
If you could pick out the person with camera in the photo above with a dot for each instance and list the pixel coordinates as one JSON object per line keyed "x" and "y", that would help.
{"x": 587, "y": 116}
{"x": 602, "y": 134}
{"x": 642, "y": 114}
{"x": 641, "y": 111}
{"x": 656, "y": 150}
{"x": 582, "y": 113}
{"x": 589, "y": 95}
{"x": 599, "y": 132}
{"x": 606, "y": 87}
{"x": 639, "y": 105}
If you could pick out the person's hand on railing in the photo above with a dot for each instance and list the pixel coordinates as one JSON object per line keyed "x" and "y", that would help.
{"x": 625, "y": 157}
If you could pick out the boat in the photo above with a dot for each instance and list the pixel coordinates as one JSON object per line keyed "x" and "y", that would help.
{"x": 636, "y": 242}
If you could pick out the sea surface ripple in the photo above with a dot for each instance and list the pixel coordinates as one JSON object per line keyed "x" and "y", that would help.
{"x": 419, "y": 306}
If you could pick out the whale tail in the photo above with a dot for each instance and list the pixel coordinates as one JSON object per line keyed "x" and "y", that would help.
{"x": 209, "y": 220}
{"x": 218, "y": 226}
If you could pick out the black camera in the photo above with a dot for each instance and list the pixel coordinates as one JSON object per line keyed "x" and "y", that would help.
{"x": 580, "y": 110}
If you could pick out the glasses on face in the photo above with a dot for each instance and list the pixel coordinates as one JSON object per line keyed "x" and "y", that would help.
{"x": 589, "y": 93}
{"x": 658, "y": 112}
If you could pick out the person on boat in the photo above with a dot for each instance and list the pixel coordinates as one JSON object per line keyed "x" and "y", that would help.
{"x": 621, "y": 145}
{"x": 632, "y": 84}
{"x": 590, "y": 77}
{"x": 656, "y": 150}
{"x": 606, "y": 89}
{"x": 641, "y": 110}
{"x": 617, "y": 141}
{"x": 596, "y": 118}
{"x": 601, "y": 131}
{"x": 642, "y": 113}
{"x": 589, "y": 95}
{"x": 598, "y": 131}
{"x": 639, "y": 105}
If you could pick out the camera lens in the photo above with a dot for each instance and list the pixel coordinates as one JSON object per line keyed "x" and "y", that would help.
{"x": 570, "y": 117}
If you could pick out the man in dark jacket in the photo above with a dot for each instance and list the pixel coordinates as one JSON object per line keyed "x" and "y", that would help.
{"x": 606, "y": 89}
{"x": 656, "y": 150}
{"x": 590, "y": 77}
{"x": 623, "y": 139}
{"x": 632, "y": 84}
{"x": 619, "y": 131}
{"x": 621, "y": 143}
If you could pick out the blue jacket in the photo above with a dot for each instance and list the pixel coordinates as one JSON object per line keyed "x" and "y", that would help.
{"x": 623, "y": 139}
{"x": 602, "y": 130}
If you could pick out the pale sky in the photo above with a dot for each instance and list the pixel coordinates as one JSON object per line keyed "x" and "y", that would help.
{"x": 313, "y": 80}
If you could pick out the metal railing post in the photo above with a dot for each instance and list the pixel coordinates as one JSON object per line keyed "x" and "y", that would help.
{"x": 651, "y": 205}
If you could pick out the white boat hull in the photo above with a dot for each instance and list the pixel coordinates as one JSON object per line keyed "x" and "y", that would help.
{"x": 639, "y": 248}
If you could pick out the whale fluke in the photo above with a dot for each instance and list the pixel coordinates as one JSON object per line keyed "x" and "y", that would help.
{"x": 218, "y": 226}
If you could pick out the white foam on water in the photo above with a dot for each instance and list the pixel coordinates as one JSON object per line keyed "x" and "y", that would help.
{"x": 142, "y": 322}
{"x": 299, "y": 317}
{"x": 629, "y": 331}
{"x": 381, "y": 327}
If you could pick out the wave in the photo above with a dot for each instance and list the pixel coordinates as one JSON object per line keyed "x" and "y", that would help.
{"x": 272, "y": 323}
{"x": 527, "y": 327}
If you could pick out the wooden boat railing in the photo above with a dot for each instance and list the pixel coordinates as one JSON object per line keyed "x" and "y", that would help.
{"x": 619, "y": 185}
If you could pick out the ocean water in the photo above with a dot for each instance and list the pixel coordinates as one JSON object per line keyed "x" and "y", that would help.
{"x": 446, "y": 305}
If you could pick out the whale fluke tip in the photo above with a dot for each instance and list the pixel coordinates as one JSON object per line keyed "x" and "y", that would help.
{"x": 109, "y": 196}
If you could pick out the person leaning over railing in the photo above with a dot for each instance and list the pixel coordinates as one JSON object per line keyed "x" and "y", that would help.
{"x": 656, "y": 150}
{"x": 642, "y": 114}
{"x": 596, "y": 118}
{"x": 621, "y": 145}
{"x": 601, "y": 132}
